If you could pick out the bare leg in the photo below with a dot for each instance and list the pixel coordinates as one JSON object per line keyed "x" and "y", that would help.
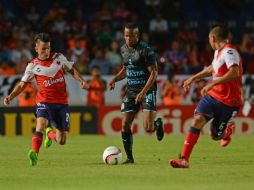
{"x": 61, "y": 136}
{"x": 150, "y": 125}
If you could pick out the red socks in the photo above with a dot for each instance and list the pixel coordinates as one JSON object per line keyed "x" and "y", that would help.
{"x": 51, "y": 135}
{"x": 190, "y": 141}
{"x": 37, "y": 141}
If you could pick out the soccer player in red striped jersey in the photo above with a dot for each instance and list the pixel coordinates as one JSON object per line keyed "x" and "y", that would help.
{"x": 221, "y": 98}
{"x": 52, "y": 105}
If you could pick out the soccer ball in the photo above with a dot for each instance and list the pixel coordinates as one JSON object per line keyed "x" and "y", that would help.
{"x": 112, "y": 155}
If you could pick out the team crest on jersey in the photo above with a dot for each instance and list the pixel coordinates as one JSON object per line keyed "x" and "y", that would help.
{"x": 58, "y": 62}
{"x": 130, "y": 62}
{"x": 230, "y": 51}
{"x": 38, "y": 69}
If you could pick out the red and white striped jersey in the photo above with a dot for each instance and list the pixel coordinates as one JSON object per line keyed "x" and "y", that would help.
{"x": 49, "y": 76}
{"x": 229, "y": 93}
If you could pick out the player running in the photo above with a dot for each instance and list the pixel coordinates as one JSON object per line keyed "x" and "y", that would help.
{"x": 140, "y": 68}
{"x": 221, "y": 98}
{"x": 52, "y": 104}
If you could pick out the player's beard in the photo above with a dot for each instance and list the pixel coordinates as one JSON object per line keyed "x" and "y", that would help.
{"x": 130, "y": 43}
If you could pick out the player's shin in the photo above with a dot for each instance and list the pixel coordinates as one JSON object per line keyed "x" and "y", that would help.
{"x": 127, "y": 143}
{"x": 190, "y": 141}
{"x": 37, "y": 141}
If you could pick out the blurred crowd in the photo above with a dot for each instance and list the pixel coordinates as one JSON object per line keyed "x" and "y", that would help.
{"x": 90, "y": 32}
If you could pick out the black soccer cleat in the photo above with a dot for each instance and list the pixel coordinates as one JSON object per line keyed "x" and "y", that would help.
{"x": 159, "y": 129}
{"x": 128, "y": 161}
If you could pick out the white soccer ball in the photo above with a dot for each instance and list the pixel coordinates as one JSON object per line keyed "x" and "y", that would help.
{"x": 112, "y": 155}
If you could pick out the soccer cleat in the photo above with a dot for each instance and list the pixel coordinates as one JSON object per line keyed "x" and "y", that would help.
{"x": 33, "y": 157}
{"x": 128, "y": 161}
{"x": 228, "y": 132}
{"x": 47, "y": 141}
{"x": 179, "y": 163}
{"x": 225, "y": 142}
{"x": 159, "y": 129}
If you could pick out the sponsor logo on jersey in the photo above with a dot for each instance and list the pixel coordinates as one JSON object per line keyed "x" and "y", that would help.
{"x": 51, "y": 81}
{"x": 135, "y": 73}
{"x": 135, "y": 81}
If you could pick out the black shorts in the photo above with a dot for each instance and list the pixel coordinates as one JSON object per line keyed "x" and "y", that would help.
{"x": 148, "y": 104}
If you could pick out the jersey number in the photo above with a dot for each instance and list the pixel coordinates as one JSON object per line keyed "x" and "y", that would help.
{"x": 130, "y": 62}
{"x": 67, "y": 117}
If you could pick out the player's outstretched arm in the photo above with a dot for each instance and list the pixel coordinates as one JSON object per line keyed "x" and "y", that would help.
{"x": 74, "y": 72}
{"x": 119, "y": 76}
{"x": 15, "y": 92}
{"x": 202, "y": 74}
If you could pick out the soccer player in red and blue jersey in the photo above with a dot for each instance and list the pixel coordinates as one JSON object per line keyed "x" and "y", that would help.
{"x": 52, "y": 104}
{"x": 221, "y": 98}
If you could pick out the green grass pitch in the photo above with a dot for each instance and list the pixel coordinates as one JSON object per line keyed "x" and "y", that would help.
{"x": 79, "y": 165}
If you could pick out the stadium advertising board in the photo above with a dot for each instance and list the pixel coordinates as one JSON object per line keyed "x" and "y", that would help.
{"x": 21, "y": 121}
{"x": 176, "y": 119}
{"x": 106, "y": 120}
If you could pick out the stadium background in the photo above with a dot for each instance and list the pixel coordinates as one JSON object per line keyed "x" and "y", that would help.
{"x": 85, "y": 30}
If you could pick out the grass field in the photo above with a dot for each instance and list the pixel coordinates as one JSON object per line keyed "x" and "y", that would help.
{"x": 78, "y": 165}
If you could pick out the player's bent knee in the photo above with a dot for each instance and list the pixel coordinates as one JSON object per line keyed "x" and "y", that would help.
{"x": 126, "y": 126}
{"x": 198, "y": 122}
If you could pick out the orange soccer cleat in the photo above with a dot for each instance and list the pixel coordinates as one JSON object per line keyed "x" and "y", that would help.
{"x": 228, "y": 132}
{"x": 179, "y": 163}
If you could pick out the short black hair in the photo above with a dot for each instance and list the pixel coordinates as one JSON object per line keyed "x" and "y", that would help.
{"x": 44, "y": 37}
{"x": 96, "y": 67}
{"x": 220, "y": 31}
{"x": 131, "y": 25}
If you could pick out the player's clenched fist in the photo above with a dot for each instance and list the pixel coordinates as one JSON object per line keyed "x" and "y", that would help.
{"x": 7, "y": 100}
{"x": 112, "y": 85}
{"x": 84, "y": 85}
{"x": 187, "y": 83}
